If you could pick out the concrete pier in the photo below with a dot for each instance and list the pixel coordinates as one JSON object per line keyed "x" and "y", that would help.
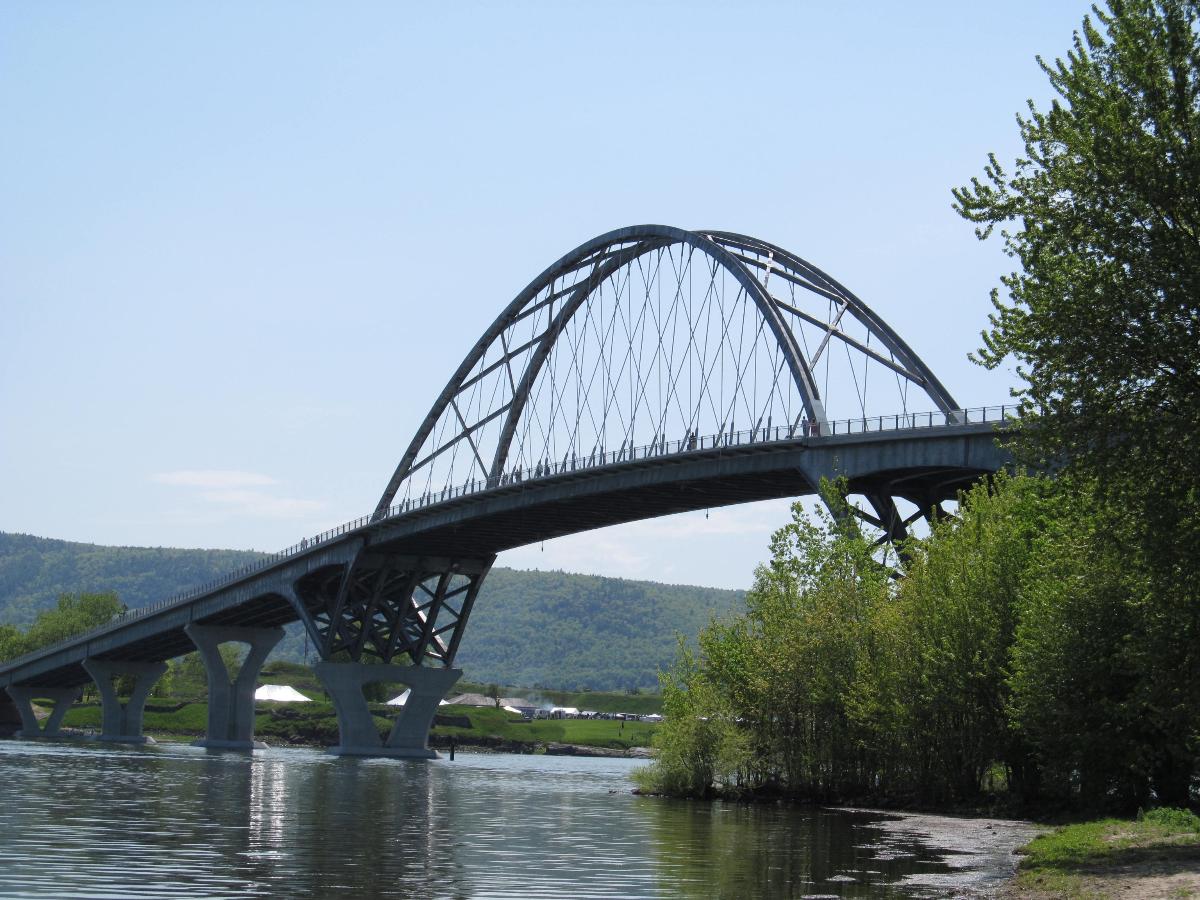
{"x": 231, "y": 700}
{"x": 122, "y": 722}
{"x": 409, "y": 737}
{"x": 23, "y": 696}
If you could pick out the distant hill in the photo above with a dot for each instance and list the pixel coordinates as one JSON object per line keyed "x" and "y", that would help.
{"x": 536, "y": 629}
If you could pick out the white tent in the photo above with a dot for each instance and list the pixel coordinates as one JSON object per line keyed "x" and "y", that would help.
{"x": 284, "y": 693}
{"x": 403, "y": 698}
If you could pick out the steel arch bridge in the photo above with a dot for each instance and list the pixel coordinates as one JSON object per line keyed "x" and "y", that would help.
{"x": 650, "y": 333}
{"x": 651, "y": 370}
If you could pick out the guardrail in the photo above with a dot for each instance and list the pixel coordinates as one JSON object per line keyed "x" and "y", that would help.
{"x": 548, "y": 469}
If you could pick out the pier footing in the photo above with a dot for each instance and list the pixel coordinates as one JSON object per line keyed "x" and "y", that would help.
{"x": 409, "y": 737}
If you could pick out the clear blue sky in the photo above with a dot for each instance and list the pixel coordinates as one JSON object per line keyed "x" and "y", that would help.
{"x": 243, "y": 246}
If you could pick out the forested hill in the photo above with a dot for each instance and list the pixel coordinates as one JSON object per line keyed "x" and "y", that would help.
{"x": 546, "y": 629}
{"x": 34, "y": 571}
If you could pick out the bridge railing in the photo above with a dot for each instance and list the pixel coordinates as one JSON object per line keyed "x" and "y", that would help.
{"x": 770, "y": 433}
{"x": 767, "y": 434}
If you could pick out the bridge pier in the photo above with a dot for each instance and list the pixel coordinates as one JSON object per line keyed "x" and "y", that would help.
{"x": 122, "y": 722}
{"x": 231, "y": 701}
{"x": 23, "y": 696}
{"x": 409, "y": 737}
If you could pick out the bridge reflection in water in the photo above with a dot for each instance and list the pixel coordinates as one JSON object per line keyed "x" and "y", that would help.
{"x": 104, "y": 821}
{"x": 650, "y": 371}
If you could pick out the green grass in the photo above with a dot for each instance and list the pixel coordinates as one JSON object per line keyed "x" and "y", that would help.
{"x": 1064, "y": 861}
{"x": 511, "y": 727}
{"x": 315, "y": 724}
{"x": 190, "y": 720}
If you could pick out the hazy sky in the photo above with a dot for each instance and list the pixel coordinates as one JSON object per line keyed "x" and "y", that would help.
{"x": 243, "y": 246}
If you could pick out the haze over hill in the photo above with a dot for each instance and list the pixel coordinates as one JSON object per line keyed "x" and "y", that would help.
{"x": 532, "y": 628}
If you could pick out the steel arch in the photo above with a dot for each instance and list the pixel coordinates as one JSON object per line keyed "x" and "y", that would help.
{"x": 817, "y": 281}
{"x": 740, "y": 256}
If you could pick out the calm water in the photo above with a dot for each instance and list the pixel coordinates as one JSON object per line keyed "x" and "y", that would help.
{"x": 91, "y": 821}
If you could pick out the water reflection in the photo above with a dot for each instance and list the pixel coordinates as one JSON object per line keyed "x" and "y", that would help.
{"x": 91, "y": 820}
{"x": 734, "y": 850}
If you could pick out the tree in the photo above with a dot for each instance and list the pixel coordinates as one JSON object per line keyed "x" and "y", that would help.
{"x": 12, "y": 642}
{"x": 940, "y": 687}
{"x": 72, "y": 615}
{"x": 1103, "y": 215}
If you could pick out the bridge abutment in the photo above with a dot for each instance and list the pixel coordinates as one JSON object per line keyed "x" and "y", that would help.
{"x": 122, "y": 722}
{"x": 231, "y": 701}
{"x": 409, "y": 737}
{"x": 23, "y": 696}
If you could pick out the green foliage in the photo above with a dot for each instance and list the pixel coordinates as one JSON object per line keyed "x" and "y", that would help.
{"x": 73, "y": 614}
{"x": 498, "y": 724}
{"x": 1013, "y": 653}
{"x": 698, "y": 744}
{"x": 938, "y": 693}
{"x": 555, "y": 630}
{"x": 35, "y": 571}
{"x": 1075, "y": 668}
{"x": 1102, "y": 213}
{"x": 770, "y": 703}
{"x": 1179, "y": 821}
{"x": 11, "y": 642}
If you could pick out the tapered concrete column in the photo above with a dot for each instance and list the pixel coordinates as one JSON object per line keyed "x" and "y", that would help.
{"x": 409, "y": 737}
{"x": 122, "y": 722}
{"x": 231, "y": 701}
{"x": 23, "y": 696}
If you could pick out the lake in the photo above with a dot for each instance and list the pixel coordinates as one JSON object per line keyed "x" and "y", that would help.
{"x": 93, "y": 820}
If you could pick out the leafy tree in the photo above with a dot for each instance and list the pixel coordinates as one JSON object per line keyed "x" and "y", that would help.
{"x": 1077, "y": 666}
{"x": 72, "y": 615}
{"x": 940, "y": 687}
{"x": 699, "y": 744}
{"x": 1103, "y": 214}
{"x": 766, "y": 704}
{"x": 12, "y": 642}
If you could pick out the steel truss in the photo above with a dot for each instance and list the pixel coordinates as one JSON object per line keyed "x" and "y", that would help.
{"x": 386, "y": 607}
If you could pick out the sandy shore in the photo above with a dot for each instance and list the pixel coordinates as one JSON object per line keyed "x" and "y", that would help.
{"x": 980, "y": 852}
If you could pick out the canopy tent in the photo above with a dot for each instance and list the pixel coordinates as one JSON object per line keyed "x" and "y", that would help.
{"x": 401, "y": 699}
{"x": 283, "y": 693}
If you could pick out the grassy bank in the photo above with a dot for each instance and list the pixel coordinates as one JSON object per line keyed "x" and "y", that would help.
{"x": 1156, "y": 855}
{"x": 314, "y": 724}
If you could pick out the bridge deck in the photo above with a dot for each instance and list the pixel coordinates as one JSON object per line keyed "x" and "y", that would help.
{"x": 923, "y": 464}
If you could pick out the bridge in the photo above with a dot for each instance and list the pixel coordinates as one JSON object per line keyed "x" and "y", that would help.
{"x": 650, "y": 371}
